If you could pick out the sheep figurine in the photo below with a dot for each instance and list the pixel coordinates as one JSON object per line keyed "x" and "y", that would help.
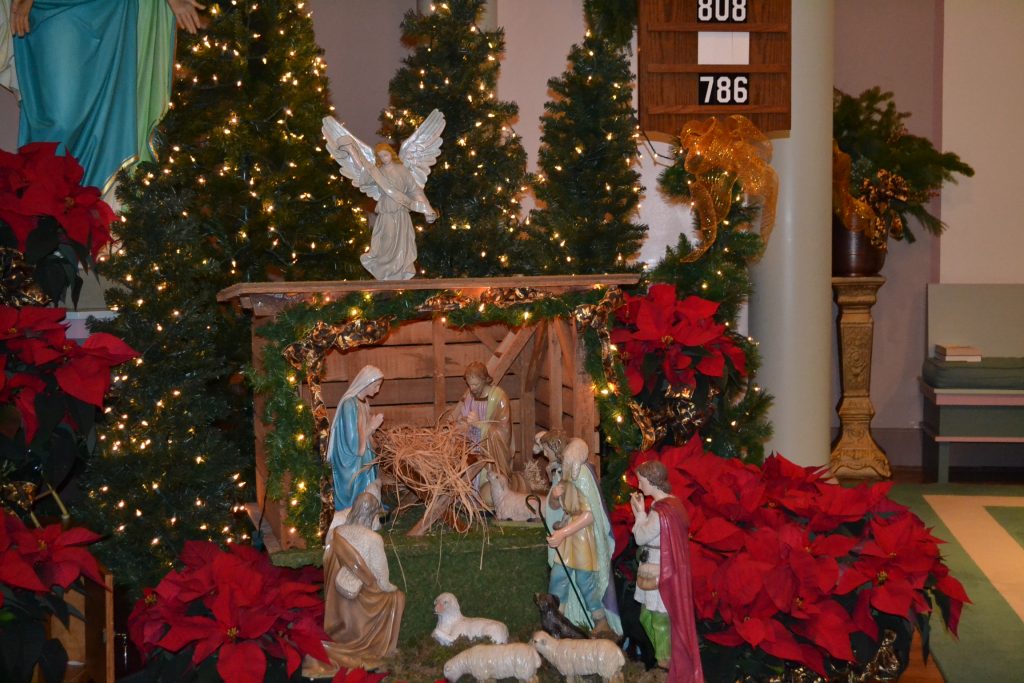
{"x": 493, "y": 662}
{"x": 451, "y": 625}
{"x": 577, "y": 658}
{"x": 509, "y": 504}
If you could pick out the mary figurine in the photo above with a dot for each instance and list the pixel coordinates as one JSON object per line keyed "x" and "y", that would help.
{"x": 349, "y": 446}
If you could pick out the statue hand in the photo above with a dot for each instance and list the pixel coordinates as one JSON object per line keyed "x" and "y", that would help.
{"x": 555, "y": 539}
{"x": 376, "y": 421}
{"x": 431, "y": 216}
{"x": 186, "y": 13}
{"x": 19, "y": 17}
{"x": 636, "y": 503}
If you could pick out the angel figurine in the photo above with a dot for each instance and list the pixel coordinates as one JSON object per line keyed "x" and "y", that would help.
{"x": 396, "y": 182}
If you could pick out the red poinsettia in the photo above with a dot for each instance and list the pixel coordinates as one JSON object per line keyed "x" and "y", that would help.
{"x": 658, "y": 335}
{"x": 234, "y": 605}
{"x": 791, "y": 565}
{"x": 38, "y": 358}
{"x": 38, "y": 182}
{"x": 39, "y": 559}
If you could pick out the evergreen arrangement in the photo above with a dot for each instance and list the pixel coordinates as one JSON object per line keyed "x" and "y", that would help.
{"x": 895, "y": 172}
{"x": 476, "y": 182}
{"x": 242, "y": 192}
{"x": 587, "y": 185}
{"x": 738, "y": 426}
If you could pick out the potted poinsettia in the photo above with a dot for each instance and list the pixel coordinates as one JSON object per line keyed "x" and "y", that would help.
{"x": 229, "y": 615}
{"x": 675, "y": 355}
{"x": 50, "y": 224}
{"x": 791, "y": 571}
{"x": 882, "y": 177}
{"x": 51, "y": 387}
{"x": 38, "y": 566}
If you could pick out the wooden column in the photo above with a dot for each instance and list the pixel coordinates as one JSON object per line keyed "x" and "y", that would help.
{"x": 855, "y": 453}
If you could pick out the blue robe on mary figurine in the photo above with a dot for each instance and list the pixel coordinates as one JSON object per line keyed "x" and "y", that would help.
{"x": 349, "y": 447}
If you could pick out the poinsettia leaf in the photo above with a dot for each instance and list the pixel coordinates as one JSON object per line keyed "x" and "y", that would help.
{"x": 953, "y": 588}
{"x": 242, "y": 662}
{"x": 198, "y": 553}
{"x": 185, "y": 632}
{"x": 20, "y": 650}
{"x": 76, "y": 290}
{"x": 308, "y": 637}
{"x": 862, "y": 617}
{"x": 53, "y": 661}
{"x": 752, "y": 629}
{"x": 51, "y": 277}
{"x": 893, "y": 597}
{"x": 54, "y": 602}
{"x": 292, "y": 658}
{"x": 7, "y": 237}
{"x": 109, "y": 348}
{"x": 42, "y": 241}
{"x": 15, "y": 571}
{"x": 62, "y": 456}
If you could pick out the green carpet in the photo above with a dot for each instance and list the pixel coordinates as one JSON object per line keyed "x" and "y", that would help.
{"x": 1011, "y": 519}
{"x": 991, "y": 643}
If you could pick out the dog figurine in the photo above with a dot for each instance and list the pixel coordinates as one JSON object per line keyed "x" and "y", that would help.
{"x": 553, "y": 621}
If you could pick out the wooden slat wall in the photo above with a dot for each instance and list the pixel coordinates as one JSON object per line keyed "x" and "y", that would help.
{"x": 668, "y": 70}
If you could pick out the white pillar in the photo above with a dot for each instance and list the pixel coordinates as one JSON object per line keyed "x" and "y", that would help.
{"x": 791, "y": 310}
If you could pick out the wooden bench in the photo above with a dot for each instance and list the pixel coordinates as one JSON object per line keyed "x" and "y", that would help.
{"x": 990, "y": 317}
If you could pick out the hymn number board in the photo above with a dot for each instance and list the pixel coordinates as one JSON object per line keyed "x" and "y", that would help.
{"x": 701, "y": 58}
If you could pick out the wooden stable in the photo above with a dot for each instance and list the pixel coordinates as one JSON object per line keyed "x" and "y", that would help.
{"x": 540, "y": 366}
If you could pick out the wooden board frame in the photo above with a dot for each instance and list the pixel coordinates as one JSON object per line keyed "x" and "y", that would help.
{"x": 667, "y": 68}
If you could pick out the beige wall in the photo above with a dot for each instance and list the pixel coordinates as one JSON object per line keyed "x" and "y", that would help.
{"x": 982, "y": 62}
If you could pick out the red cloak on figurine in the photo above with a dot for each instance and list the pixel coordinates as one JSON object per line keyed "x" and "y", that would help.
{"x": 676, "y": 588}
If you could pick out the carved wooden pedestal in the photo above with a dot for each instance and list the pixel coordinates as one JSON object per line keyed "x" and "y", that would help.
{"x": 855, "y": 453}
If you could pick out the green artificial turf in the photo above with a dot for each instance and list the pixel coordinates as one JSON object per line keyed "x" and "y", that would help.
{"x": 493, "y": 573}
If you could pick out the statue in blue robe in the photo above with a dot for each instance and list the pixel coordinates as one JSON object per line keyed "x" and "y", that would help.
{"x": 349, "y": 447}
{"x": 95, "y": 76}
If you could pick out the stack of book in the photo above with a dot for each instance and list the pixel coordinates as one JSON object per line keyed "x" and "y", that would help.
{"x": 957, "y": 353}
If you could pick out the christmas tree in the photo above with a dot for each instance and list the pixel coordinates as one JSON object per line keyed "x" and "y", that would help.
{"x": 243, "y": 191}
{"x": 737, "y": 424}
{"x": 587, "y": 185}
{"x": 475, "y": 184}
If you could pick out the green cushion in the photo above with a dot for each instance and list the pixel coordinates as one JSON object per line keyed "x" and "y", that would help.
{"x": 990, "y": 373}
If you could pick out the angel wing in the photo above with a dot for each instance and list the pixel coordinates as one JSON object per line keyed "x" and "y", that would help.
{"x": 352, "y": 154}
{"x": 421, "y": 149}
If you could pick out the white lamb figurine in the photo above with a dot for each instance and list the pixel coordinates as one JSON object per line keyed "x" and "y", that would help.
{"x": 494, "y": 662}
{"x": 451, "y": 625}
{"x": 575, "y": 658}
{"x": 509, "y": 504}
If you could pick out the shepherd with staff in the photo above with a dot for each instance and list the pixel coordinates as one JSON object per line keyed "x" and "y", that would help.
{"x": 580, "y": 542}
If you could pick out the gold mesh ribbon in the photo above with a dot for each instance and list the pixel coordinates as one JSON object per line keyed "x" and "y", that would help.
{"x": 596, "y": 316}
{"x": 504, "y": 297}
{"x": 855, "y": 214}
{"x": 444, "y": 301}
{"x": 17, "y": 284}
{"x": 19, "y": 494}
{"x": 310, "y": 353}
{"x": 721, "y": 154}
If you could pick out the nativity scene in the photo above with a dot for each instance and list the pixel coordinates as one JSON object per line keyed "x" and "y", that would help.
{"x": 451, "y": 412}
